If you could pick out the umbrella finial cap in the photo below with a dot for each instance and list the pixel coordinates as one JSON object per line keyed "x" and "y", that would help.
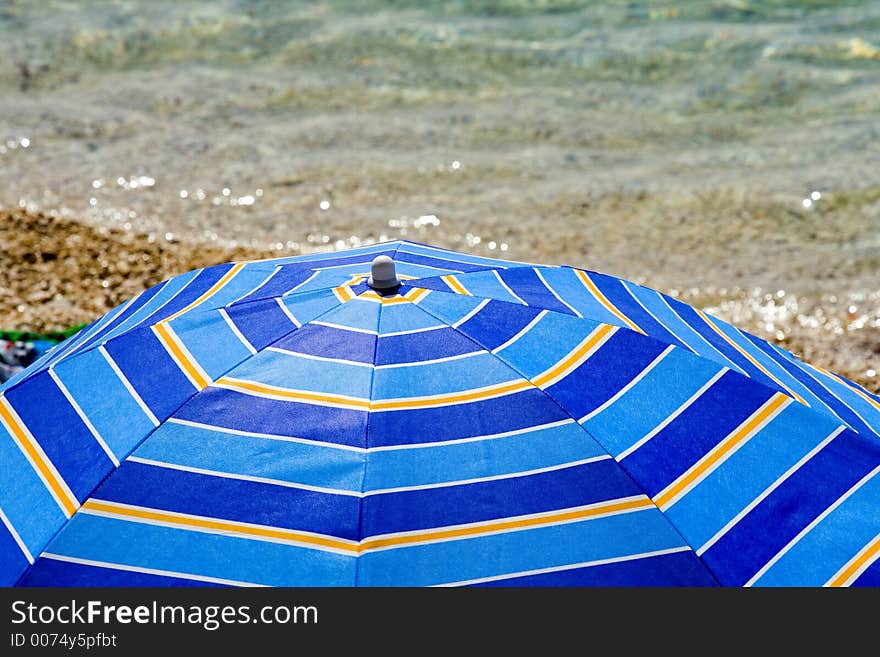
{"x": 382, "y": 274}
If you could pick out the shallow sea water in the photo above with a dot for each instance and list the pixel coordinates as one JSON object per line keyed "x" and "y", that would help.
{"x": 723, "y": 150}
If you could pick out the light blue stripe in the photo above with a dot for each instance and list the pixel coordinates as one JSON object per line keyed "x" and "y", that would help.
{"x": 306, "y": 307}
{"x": 211, "y": 341}
{"x": 569, "y": 286}
{"x": 544, "y": 547}
{"x": 148, "y": 546}
{"x": 356, "y": 313}
{"x": 410, "y": 247}
{"x": 472, "y": 371}
{"x": 849, "y": 397}
{"x": 247, "y": 278}
{"x": 546, "y": 343}
{"x": 288, "y": 370}
{"x": 827, "y": 547}
{"x": 404, "y": 317}
{"x": 24, "y": 498}
{"x": 449, "y": 307}
{"x": 284, "y": 460}
{"x": 650, "y": 401}
{"x": 171, "y": 288}
{"x": 748, "y": 472}
{"x": 486, "y": 284}
{"x": 317, "y": 257}
{"x": 539, "y": 448}
{"x": 104, "y": 399}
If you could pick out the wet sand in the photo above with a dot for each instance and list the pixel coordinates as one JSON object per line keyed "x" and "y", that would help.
{"x": 58, "y": 272}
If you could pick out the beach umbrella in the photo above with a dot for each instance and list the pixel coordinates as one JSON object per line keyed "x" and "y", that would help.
{"x": 406, "y": 415}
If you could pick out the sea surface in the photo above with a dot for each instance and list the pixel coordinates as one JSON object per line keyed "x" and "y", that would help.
{"x": 727, "y": 151}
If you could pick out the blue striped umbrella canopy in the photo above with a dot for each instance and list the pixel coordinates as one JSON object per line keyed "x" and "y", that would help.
{"x": 487, "y": 422}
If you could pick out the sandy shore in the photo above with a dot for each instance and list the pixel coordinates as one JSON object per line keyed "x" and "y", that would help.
{"x": 59, "y": 272}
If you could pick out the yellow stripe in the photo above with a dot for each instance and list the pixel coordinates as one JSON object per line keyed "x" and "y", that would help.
{"x": 575, "y": 356}
{"x": 601, "y": 298}
{"x": 506, "y": 525}
{"x": 455, "y": 284}
{"x": 221, "y": 525}
{"x": 68, "y": 504}
{"x": 852, "y": 568}
{"x": 720, "y": 451}
{"x": 181, "y": 357}
{"x": 210, "y": 292}
{"x": 452, "y": 398}
{"x": 295, "y": 395}
{"x": 343, "y": 293}
{"x": 611, "y": 507}
{"x": 754, "y": 362}
{"x": 416, "y": 293}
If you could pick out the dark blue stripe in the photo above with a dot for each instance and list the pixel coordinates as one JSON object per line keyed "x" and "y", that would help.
{"x": 497, "y": 322}
{"x": 501, "y": 498}
{"x": 329, "y": 342}
{"x": 283, "y": 281}
{"x": 676, "y": 569}
{"x": 12, "y": 559}
{"x": 840, "y": 409}
{"x": 196, "y": 288}
{"x": 698, "y": 429}
{"x": 871, "y": 576}
{"x": 527, "y": 286}
{"x": 153, "y": 374}
{"x": 616, "y": 293}
{"x": 235, "y": 410}
{"x": 49, "y": 572}
{"x": 767, "y": 528}
{"x": 508, "y": 413}
{"x": 61, "y": 433}
{"x": 231, "y": 499}
{"x": 452, "y": 265}
{"x": 425, "y": 345}
{"x": 690, "y": 316}
{"x": 261, "y": 322}
{"x": 600, "y": 377}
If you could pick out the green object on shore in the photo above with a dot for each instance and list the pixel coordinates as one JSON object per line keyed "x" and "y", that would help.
{"x": 30, "y": 336}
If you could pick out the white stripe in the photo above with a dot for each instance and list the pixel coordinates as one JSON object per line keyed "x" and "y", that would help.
{"x": 861, "y": 569}
{"x": 146, "y": 571}
{"x": 477, "y": 480}
{"x": 299, "y": 285}
{"x": 241, "y": 477}
{"x": 507, "y": 287}
{"x": 776, "y": 484}
{"x": 717, "y": 463}
{"x": 620, "y": 393}
{"x": 234, "y": 329}
{"x": 128, "y": 386}
{"x": 433, "y": 361}
{"x": 573, "y": 566}
{"x": 345, "y": 328}
{"x": 411, "y": 331}
{"x": 324, "y": 359}
{"x": 843, "y": 498}
{"x": 711, "y": 346}
{"x": 288, "y": 312}
{"x": 570, "y": 368}
{"x": 15, "y": 535}
{"x": 528, "y": 327}
{"x": 674, "y": 415}
{"x": 553, "y": 292}
{"x": 256, "y": 287}
{"x": 83, "y": 417}
{"x": 473, "y": 312}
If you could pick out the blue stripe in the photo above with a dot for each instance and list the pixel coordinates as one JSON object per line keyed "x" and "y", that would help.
{"x": 285, "y": 279}
{"x": 297, "y": 373}
{"x": 427, "y": 345}
{"x": 153, "y": 487}
{"x": 67, "y": 442}
{"x": 526, "y": 284}
{"x": 753, "y": 541}
{"x": 236, "y": 410}
{"x": 570, "y": 287}
{"x": 12, "y": 559}
{"x": 698, "y": 429}
{"x": 497, "y": 322}
{"x": 366, "y": 252}
{"x": 50, "y": 572}
{"x": 178, "y": 550}
{"x": 260, "y": 322}
{"x": 477, "y": 371}
{"x": 355, "y": 314}
{"x": 676, "y": 569}
{"x": 329, "y": 342}
{"x": 508, "y": 413}
{"x": 211, "y": 342}
{"x": 152, "y": 373}
{"x": 871, "y": 576}
{"x": 404, "y": 317}
{"x": 166, "y": 292}
{"x": 511, "y": 552}
{"x": 487, "y": 285}
{"x": 196, "y": 288}
{"x": 408, "y": 246}
{"x": 606, "y": 372}
{"x": 438, "y": 262}
{"x": 501, "y": 498}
